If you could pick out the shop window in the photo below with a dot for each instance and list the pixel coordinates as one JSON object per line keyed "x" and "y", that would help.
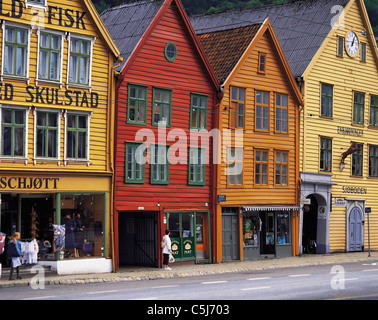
{"x": 83, "y": 218}
{"x": 283, "y": 228}
{"x": 197, "y": 168}
{"x": 50, "y": 54}
{"x": 137, "y": 105}
{"x": 80, "y": 61}
{"x": 13, "y": 127}
{"x": 36, "y": 2}
{"x": 250, "y": 230}
{"x": 47, "y": 133}
{"x": 198, "y": 112}
{"x": 16, "y": 51}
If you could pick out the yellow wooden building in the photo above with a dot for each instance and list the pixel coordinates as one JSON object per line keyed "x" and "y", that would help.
{"x": 57, "y": 110}
{"x": 258, "y": 171}
{"x": 339, "y": 135}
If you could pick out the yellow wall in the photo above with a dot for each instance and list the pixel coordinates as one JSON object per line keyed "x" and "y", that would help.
{"x": 59, "y": 16}
{"x": 347, "y": 75}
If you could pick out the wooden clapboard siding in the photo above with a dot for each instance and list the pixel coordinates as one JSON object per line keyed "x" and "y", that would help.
{"x": 346, "y": 75}
{"x": 274, "y": 81}
{"x": 186, "y": 75}
{"x": 102, "y": 63}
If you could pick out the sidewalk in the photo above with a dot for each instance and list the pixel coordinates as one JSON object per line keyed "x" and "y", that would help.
{"x": 143, "y": 273}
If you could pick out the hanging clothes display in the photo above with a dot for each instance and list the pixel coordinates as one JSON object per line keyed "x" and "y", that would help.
{"x": 2, "y": 242}
{"x": 70, "y": 225}
{"x": 59, "y": 236}
{"x": 29, "y": 251}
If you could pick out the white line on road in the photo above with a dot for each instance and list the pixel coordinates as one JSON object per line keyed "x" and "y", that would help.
{"x": 102, "y": 292}
{"x": 299, "y": 275}
{"x": 256, "y": 279}
{"x": 164, "y": 287}
{"x": 369, "y": 270}
{"x": 39, "y": 298}
{"x": 213, "y": 282}
{"x": 257, "y": 288}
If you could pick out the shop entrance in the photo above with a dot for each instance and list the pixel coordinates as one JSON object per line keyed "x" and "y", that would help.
{"x": 267, "y": 233}
{"x": 230, "y": 234}
{"x": 355, "y": 230}
{"x": 138, "y": 239}
{"x": 310, "y": 225}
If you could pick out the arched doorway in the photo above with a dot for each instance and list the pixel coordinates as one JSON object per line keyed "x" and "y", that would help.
{"x": 315, "y": 224}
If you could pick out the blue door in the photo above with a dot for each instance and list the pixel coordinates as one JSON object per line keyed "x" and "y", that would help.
{"x": 355, "y": 230}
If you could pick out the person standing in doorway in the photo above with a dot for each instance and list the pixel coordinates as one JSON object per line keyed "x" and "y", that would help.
{"x": 166, "y": 250}
{"x": 15, "y": 254}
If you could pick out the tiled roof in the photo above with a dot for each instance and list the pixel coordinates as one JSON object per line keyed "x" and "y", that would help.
{"x": 301, "y": 26}
{"x": 128, "y": 22}
{"x": 225, "y": 48}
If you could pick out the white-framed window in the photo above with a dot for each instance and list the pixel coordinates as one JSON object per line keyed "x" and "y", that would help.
{"x": 47, "y": 134}
{"x": 77, "y": 136}
{"x": 80, "y": 55}
{"x": 16, "y": 51}
{"x": 50, "y": 56}
{"x": 14, "y": 133}
{"x": 36, "y": 3}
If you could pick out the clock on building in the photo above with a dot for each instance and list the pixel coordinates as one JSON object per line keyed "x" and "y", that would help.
{"x": 352, "y": 44}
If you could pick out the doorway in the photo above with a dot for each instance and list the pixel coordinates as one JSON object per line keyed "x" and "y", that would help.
{"x": 230, "y": 234}
{"x": 310, "y": 224}
{"x": 138, "y": 239}
{"x": 355, "y": 230}
{"x": 267, "y": 233}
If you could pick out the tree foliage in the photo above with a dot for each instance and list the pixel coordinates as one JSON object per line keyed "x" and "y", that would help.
{"x": 211, "y": 6}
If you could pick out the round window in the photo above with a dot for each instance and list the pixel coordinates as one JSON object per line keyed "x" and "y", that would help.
{"x": 170, "y": 51}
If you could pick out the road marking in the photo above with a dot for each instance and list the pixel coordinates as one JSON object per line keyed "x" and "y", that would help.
{"x": 102, "y": 292}
{"x": 39, "y": 298}
{"x": 369, "y": 270}
{"x": 213, "y": 282}
{"x": 256, "y": 279}
{"x": 252, "y": 289}
{"x": 299, "y": 275}
{"x": 164, "y": 287}
{"x": 351, "y": 279}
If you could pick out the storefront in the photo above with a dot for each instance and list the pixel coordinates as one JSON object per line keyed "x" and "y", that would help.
{"x": 262, "y": 232}
{"x": 190, "y": 235}
{"x": 36, "y": 205}
{"x": 267, "y": 232}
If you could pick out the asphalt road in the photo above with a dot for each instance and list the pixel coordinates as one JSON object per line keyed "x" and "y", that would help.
{"x": 349, "y": 281}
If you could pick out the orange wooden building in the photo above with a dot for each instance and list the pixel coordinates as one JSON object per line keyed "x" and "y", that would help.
{"x": 258, "y": 175}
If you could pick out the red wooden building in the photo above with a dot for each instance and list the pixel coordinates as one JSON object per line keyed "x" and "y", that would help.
{"x": 167, "y": 97}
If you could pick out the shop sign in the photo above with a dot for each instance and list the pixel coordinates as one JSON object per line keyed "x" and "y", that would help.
{"x": 357, "y": 190}
{"x": 50, "y": 96}
{"x": 175, "y": 246}
{"x": 30, "y": 183}
{"x": 340, "y": 202}
{"x": 222, "y": 198}
{"x": 55, "y": 15}
{"x": 350, "y": 131}
{"x": 188, "y": 247}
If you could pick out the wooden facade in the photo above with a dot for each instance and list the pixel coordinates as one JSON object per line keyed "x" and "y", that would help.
{"x": 153, "y": 196}
{"x": 57, "y": 109}
{"x": 351, "y": 80}
{"x": 260, "y": 140}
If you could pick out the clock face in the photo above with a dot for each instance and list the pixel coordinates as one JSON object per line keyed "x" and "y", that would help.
{"x": 352, "y": 44}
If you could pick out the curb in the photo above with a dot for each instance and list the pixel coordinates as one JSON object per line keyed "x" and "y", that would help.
{"x": 204, "y": 270}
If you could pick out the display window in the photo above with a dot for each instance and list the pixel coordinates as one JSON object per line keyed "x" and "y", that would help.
{"x": 251, "y": 226}
{"x": 283, "y": 228}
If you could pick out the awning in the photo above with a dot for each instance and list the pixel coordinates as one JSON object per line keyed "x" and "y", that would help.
{"x": 267, "y": 208}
